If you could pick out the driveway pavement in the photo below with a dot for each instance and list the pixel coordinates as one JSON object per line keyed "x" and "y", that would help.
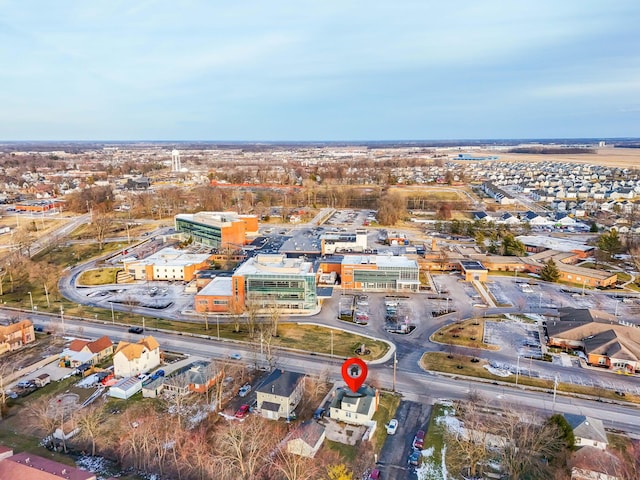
{"x": 395, "y": 452}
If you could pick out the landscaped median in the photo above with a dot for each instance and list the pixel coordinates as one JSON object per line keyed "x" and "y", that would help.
{"x": 469, "y": 333}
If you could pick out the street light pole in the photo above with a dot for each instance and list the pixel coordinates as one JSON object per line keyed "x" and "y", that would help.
{"x": 31, "y": 300}
{"x": 395, "y": 363}
{"x": 218, "y": 325}
{"x": 555, "y": 388}
{"x": 517, "y": 370}
{"x": 113, "y": 316}
{"x": 62, "y": 318}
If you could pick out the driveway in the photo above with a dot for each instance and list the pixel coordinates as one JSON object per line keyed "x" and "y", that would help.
{"x": 411, "y": 417}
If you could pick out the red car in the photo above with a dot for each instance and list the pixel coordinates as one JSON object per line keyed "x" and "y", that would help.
{"x": 418, "y": 441}
{"x": 242, "y": 411}
{"x": 375, "y": 474}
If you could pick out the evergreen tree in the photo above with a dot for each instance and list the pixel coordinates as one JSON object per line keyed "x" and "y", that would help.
{"x": 550, "y": 272}
{"x": 609, "y": 242}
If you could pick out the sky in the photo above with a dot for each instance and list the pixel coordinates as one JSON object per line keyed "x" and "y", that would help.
{"x": 332, "y": 70}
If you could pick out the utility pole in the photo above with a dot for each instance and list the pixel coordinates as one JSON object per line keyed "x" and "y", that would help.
{"x": 395, "y": 363}
{"x": 46, "y": 293}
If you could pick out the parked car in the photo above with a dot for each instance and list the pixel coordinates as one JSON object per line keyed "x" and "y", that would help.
{"x": 244, "y": 390}
{"x": 135, "y": 330}
{"x": 374, "y": 475}
{"x": 414, "y": 459}
{"x": 24, "y": 384}
{"x": 418, "y": 440}
{"x": 319, "y": 413}
{"x": 392, "y": 426}
{"x": 243, "y": 411}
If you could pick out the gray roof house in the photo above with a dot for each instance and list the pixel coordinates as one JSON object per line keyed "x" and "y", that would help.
{"x": 587, "y": 431}
{"x": 279, "y": 394}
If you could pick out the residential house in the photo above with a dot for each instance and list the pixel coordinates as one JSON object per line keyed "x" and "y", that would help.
{"x": 354, "y": 408}
{"x": 591, "y": 463}
{"x": 306, "y": 440}
{"x": 279, "y": 394}
{"x": 16, "y": 335}
{"x": 33, "y": 467}
{"x": 196, "y": 377}
{"x": 80, "y": 351}
{"x": 587, "y": 431}
{"x": 131, "y": 359}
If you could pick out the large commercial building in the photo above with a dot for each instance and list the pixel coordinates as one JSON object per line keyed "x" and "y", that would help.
{"x": 265, "y": 281}
{"x": 336, "y": 242}
{"x": 374, "y": 273}
{"x": 168, "y": 264}
{"x": 217, "y": 229}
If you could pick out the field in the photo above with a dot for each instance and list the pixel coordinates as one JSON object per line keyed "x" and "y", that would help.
{"x": 608, "y": 156}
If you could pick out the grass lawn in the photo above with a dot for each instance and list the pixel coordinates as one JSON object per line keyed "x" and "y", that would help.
{"x": 347, "y": 452}
{"x": 434, "y": 437}
{"x": 466, "y": 334}
{"x": 65, "y": 256}
{"x": 462, "y": 365}
{"x": 99, "y": 276}
{"x": 386, "y": 410}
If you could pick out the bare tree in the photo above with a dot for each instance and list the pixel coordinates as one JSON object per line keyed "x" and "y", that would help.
{"x": 102, "y": 222}
{"x": 90, "y": 421}
{"x": 244, "y": 447}
{"x": 524, "y": 443}
{"x": 469, "y": 445}
{"x": 293, "y": 467}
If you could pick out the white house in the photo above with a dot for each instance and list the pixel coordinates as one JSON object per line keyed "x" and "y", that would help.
{"x": 587, "y": 431}
{"x": 354, "y": 408}
{"x": 306, "y": 440}
{"x": 131, "y": 359}
{"x": 279, "y": 394}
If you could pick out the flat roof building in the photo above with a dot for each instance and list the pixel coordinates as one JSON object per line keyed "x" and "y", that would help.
{"x": 380, "y": 273}
{"x": 168, "y": 264}
{"x": 217, "y": 229}
{"x": 266, "y": 281}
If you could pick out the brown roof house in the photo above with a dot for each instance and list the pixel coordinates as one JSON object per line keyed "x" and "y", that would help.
{"x": 605, "y": 341}
{"x": 279, "y": 394}
{"x": 16, "y": 335}
{"x": 33, "y": 467}
{"x": 85, "y": 351}
{"x": 306, "y": 440}
{"x": 131, "y": 359}
{"x": 591, "y": 463}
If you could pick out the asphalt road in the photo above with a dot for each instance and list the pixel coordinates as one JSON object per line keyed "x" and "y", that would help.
{"x": 415, "y": 384}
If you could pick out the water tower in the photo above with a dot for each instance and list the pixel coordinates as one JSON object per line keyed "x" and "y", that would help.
{"x": 176, "y": 166}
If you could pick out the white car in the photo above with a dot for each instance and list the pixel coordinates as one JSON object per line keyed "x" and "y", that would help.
{"x": 244, "y": 390}
{"x": 392, "y": 426}
{"x": 235, "y": 356}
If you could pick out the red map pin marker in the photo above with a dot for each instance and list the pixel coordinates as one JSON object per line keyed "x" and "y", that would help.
{"x": 354, "y": 373}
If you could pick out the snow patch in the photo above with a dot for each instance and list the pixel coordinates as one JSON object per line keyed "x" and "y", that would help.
{"x": 427, "y": 453}
{"x": 497, "y": 371}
